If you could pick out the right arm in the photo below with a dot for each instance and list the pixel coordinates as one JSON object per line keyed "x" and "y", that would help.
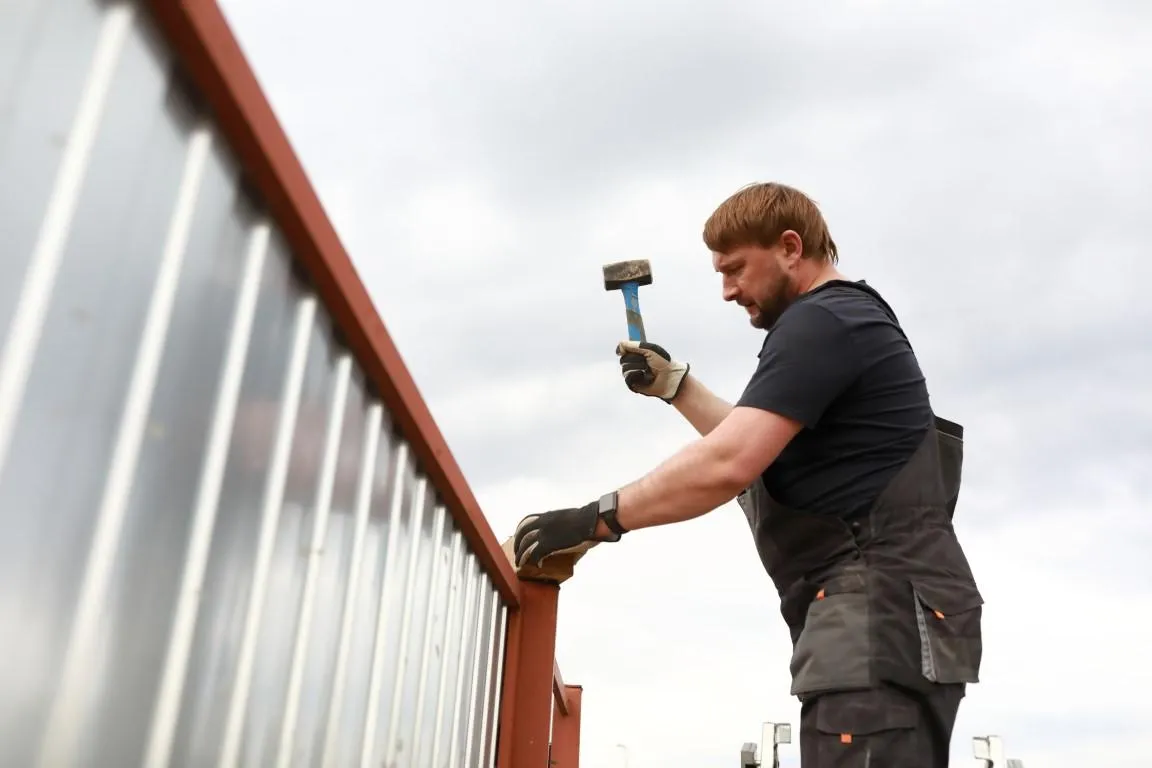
{"x": 696, "y": 403}
{"x": 649, "y": 370}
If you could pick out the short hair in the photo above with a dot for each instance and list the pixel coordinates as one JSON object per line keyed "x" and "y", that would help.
{"x": 758, "y": 214}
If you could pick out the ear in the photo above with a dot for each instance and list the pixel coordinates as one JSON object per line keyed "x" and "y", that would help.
{"x": 792, "y": 246}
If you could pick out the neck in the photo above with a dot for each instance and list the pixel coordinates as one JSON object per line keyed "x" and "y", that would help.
{"x": 822, "y": 274}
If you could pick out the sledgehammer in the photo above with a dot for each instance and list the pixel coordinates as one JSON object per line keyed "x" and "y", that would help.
{"x": 627, "y": 277}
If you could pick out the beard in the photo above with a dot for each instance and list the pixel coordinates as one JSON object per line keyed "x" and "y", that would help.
{"x": 769, "y": 309}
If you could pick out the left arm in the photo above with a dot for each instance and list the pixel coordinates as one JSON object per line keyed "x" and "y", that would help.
{"x": 707, "y": 472}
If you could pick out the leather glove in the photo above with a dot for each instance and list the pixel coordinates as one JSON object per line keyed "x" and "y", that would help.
{"x": 555, "y": 532}
{"x": 650, "y": 370}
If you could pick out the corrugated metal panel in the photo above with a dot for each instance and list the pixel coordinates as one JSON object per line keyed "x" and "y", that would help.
{"x": 214, "y": 546}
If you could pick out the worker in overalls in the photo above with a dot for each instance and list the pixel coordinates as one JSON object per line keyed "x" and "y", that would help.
{"x": 848, "y": 480}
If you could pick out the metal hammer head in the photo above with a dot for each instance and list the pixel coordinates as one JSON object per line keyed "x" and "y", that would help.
{"x": 636, "y": 271}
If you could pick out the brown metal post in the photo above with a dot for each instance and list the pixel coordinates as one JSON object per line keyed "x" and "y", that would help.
{"x": 566, "y": 729}
{"x": 526, "y": 707}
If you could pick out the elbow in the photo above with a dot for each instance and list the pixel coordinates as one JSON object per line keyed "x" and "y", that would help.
{"x": 738, "y": 477}
{"x": 734, "y": 473}
{"x": 739, "y": 468}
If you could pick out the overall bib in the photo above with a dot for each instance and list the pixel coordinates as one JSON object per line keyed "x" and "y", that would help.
{"x": 883, "y": 611}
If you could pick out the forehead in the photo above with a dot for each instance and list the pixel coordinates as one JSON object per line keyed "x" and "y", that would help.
{"x": 734, "y": 258}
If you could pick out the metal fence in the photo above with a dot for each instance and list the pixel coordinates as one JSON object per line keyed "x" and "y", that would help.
{"x": 229, "y": 531}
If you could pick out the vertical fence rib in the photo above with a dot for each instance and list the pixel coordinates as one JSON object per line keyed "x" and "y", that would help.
{"x": 172, "y": 680}
{"x": 406, "y": 621}
{"x": 323, "y": 506}
{"x": 273, "y": 497}
{"x": 489, "y": 669}
{"x": 442, "y": 711}
{"x": 477, "y": 652}
{"x": 368, "y": 742}
{"x": 442, "y": 520}
{"x": 363, "y": 504}
{"x": 472, "y": 600}
{"x": 492, "y": 708}
{"x": 458, "y": 574}
{"x": 66, "y": 717}
{"x": 32, "y": 306}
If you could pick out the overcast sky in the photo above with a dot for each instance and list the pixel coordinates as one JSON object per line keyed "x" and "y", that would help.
{"x": 986, "y": 166}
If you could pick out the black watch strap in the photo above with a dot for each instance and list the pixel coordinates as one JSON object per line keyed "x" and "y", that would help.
{"x": 607, "y": 513}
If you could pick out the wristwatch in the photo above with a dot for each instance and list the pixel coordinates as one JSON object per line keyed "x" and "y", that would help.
{"x": 607, "y": 513}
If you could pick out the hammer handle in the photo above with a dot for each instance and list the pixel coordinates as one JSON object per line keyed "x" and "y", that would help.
{"x": 631, "y": 293}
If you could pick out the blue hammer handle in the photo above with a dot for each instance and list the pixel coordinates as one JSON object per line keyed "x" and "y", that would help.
{"x": 631, "y": 293}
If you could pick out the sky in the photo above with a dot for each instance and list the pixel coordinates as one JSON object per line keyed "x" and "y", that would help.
{"x": 984, "y": 165}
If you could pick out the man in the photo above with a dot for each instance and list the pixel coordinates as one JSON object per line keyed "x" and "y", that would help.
{"x": 846, "y": 476}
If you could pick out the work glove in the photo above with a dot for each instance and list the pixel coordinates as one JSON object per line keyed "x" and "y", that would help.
{"x": 555, "y": 532}
{"x": 650, "y": 370}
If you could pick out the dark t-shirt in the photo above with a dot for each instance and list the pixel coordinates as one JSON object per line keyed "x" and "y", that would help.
{"x": 838, "y": 362}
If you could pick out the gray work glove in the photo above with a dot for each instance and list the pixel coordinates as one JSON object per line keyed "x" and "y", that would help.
{"x": 650, "y": 370}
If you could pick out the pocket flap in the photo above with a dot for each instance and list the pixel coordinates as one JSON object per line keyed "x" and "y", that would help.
{"x": 859, "y": 713}
{"x": 949, "y": 599}
{"x": 851, "y": 582}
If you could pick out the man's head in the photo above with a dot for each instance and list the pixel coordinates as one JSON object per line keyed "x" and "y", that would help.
{"x": 770, "y": 244}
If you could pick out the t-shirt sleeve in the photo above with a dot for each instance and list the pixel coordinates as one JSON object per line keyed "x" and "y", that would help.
{"x": 807, "y": 360}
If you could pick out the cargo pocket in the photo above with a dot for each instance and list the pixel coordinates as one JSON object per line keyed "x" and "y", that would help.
{"x": 868, "y": 729}
{"x": 950, "y": 638}
{"x": 834, "y": 649}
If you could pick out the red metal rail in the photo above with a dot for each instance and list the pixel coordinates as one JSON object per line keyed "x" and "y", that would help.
{"x": 211, "y": 57}
{"x": 199, "y": 34}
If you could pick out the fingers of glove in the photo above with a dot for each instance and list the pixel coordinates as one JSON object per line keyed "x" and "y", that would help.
{"x": 525, "y": 537}
{"x": 529, "y": 550}
{"x": 632, "y": 363}
{"x": 639, "y": 379}
{"x": 539, "y": 536}
{"x": 646, "y": 348}
{"x": 643, "y": 361}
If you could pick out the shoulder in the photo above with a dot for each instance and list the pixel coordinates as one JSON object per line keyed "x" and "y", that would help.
{"x": 814, "y": 322}
{"x": 853, "y": 310}
{"x": 852, "y": 303}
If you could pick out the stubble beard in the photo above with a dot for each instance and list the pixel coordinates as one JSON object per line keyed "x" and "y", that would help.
{"x": 771, "y": 308}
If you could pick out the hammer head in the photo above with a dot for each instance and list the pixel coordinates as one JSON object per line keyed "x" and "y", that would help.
{"x": 636, "y": 271}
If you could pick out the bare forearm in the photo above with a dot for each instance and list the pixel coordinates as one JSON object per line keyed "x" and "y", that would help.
{"x": 706, "y": 473}
{"x": 699, "y": 406}
{"x": 691, "y": 483}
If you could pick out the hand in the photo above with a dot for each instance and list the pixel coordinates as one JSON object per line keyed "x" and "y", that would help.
{"x": 561, "y": 530}
{"x": 649, "y": 370}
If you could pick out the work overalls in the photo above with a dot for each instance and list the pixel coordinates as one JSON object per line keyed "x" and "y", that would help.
{"x": 884, "y": 613}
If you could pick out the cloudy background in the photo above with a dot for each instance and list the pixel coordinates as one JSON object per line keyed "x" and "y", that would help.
{"x": 986, "y": 166}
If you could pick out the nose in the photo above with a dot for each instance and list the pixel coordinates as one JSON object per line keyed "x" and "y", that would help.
{"x": 729, "y": 291}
